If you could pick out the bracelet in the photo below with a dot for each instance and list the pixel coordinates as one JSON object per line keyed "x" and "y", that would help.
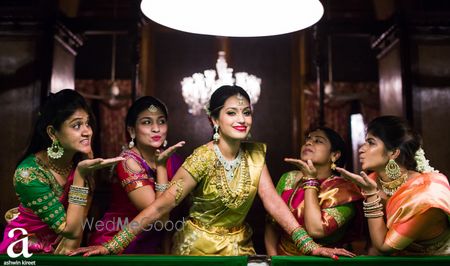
{"x": 79, "y": 189}
{"x": 119, "y": 242}
{"x": 365, "y": 194}
{"x": 179, "y": 189}
{"x": 373, "y": 208}
{"x": 161, "y": 187}
{"x": 78, "y": 195}
{"x": 305, "y": 178}
{"x": 372, "y": 203}
{"x": 312, "y": 187}
{"x": 311, "y": 183}
{"x": 303, "y": 241}
{"x": 374, "y": 214}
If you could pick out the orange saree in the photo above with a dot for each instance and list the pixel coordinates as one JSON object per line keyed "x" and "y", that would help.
{"x": 421, "y": 196}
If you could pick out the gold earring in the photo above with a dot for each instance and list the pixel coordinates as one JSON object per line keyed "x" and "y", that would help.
{"x": 392, "y": 170}
{"x": 55, "y": 151}
{"x": 333, "y": 165}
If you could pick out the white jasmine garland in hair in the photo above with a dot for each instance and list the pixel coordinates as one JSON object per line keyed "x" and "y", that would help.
{"x": 423, "y": 165}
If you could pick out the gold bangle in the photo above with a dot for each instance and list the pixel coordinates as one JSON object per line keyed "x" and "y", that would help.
{"x": 365, "y": 194}
{"x": 312, "y": 187}
{"x": 179, "y": 189}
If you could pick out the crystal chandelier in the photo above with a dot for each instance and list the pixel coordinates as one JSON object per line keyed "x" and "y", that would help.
{"x": 197, "y": 90}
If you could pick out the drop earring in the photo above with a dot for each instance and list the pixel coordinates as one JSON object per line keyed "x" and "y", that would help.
{"x": 131, "y": 143}
{"x": 392, "y": 170}
{"x": 216, "y": 135}
{"x": 165, "y": 143}
{"x": 55, "y": 151}
{"x": 333, "y": 165}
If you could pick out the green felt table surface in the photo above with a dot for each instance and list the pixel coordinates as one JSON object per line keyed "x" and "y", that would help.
{"x": 361, "y": 261}
{"x": 135, "y": 260}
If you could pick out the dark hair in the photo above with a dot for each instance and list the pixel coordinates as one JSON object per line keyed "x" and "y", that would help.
{"x": 397, "y": 134}
{"x": 219, "y": 97}
{"x": 336, "y": 141}
{"x": 139, "y": 106}
{"x": 57, "y": 108}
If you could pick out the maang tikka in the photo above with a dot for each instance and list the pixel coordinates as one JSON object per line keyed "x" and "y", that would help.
{"x": 240, "y": 99}
{"x": 152, "y": 109}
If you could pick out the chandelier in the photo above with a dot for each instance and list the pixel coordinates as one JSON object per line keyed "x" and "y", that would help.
{"x": 197, "y": 89}
{"x": 234, "y": 18}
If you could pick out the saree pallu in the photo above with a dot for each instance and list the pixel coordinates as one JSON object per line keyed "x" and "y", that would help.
{"x": 337, "y": 199}
{"x": 122, "y": 211}
{"x": 219, "y": 206}
{"x": 408, "y": 205}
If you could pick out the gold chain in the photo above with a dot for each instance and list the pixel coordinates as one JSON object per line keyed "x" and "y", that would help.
{"x": 233, "y": 199}
{"x": 61, "y": 171}
{"x": 391, "y": 186}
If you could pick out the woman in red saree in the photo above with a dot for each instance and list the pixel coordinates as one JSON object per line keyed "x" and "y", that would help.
{"x": 144, "y": 175}
{"x": 315, "y": 193}
{"x": 410, "y": 215}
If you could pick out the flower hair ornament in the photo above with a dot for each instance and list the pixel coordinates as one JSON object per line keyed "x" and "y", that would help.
{"x": 423, "y": 165}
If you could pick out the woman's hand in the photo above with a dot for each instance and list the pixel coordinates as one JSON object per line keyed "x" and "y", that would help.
{"x": 67, "y": 245}
{"x": 162, "y": 156}
{"x": 333, "y": 253}
{"x": 91, "y": 250}
{"x": 362, "y": 181}
{"x": 307, "y": 168}
{"x": 85, "y": 167}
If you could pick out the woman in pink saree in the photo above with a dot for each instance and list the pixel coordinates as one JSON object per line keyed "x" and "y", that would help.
{"x": 410, "y": 215}
{"x": 52, "y": 180}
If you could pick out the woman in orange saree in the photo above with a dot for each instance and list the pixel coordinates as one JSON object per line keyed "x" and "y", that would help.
{"x": 410, "y": 215}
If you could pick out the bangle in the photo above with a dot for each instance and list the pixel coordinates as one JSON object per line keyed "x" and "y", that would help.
{"x": 365, "y": 194}
{"x": 179, "y": 189}
{"x": 312, "y": 187}
{"x": 374, "y": 214}
{"x": 311, "y": 183}
{"x": 78, "y": 195}
{"x": 119, "y": 242}
{"x": 372, "y": 203}
{"x": 161, "y": 187}
{"x": 303, "y": 241}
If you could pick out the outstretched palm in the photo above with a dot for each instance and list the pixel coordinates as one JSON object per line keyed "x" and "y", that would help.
{"x": 307, "y": 168}
{"x": 162, "y": 156}
{"x": 85, "y": 167}
{"x": 362, "y": 181}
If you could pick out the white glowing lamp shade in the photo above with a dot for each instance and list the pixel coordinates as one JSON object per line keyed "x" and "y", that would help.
{"x": 234, "y": 18}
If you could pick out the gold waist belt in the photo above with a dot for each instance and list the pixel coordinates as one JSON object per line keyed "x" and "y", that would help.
{"x": 216, "y": 229}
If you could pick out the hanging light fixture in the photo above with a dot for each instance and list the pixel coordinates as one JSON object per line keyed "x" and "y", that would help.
{"x": 197, "y": 89}
{"x": 234, "y": 18}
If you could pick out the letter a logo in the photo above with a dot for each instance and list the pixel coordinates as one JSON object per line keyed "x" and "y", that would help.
{"x": 24, "y": 241}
